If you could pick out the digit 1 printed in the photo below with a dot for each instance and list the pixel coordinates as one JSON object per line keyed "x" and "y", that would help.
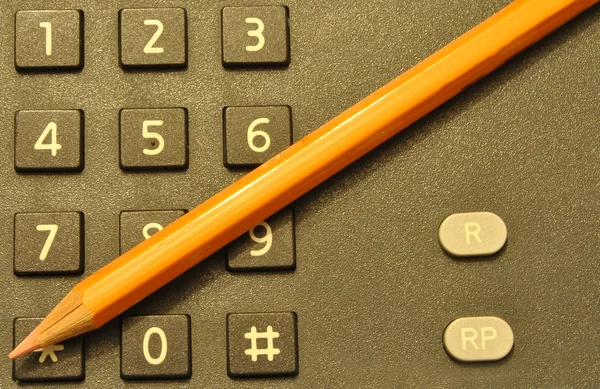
{"x": 258, "y": 33}
{"x": 267, "y": 239}
{"x": 163, "y": 346}
{"x": 48, "y": 27}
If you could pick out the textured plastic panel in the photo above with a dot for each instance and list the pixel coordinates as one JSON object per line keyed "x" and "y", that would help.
{"x": 372, "y": 289}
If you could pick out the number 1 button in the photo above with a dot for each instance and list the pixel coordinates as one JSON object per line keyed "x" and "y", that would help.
{"x": 49, "y": 141}
{"x": 255, "y": 36}
{"x": 49, "y": 40}
{"x": 153, "y": 37}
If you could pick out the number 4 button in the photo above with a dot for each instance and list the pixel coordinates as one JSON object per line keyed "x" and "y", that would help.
{"x": 253, "y": 135}
{"x": 49, "y": 141}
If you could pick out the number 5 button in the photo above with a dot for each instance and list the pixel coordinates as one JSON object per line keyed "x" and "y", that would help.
{"x": 255, "y": 36}
{"x": 49, "y": 141}
{"x": 253, "y": 135}
{"x": 154, "y": 138}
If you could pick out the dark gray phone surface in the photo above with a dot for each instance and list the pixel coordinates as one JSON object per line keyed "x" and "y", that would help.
{"x": 350, "y": 287}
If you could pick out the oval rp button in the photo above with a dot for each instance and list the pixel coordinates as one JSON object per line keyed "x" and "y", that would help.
{"x": 478, "y": 339}
{"x": 476, "y": 234}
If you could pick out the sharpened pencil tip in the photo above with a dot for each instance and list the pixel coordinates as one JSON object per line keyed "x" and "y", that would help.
{"x": 29, "y": 344}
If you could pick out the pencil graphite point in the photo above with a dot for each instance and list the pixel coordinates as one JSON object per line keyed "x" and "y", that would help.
{"x": 28, "y": 344}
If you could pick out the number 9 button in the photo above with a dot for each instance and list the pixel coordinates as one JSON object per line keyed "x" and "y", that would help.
{"x": 49, "y": 141}
{"x": 270, "y": 245}
{"x": 253, "y": 135}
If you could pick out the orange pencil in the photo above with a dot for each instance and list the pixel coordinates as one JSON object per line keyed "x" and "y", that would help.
{"x": 235, "y": 210}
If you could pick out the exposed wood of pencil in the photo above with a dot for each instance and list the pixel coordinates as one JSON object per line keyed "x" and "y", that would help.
{"x": 309, "y": 162}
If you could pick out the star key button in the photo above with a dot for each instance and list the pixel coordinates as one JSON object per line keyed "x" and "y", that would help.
{"x": 262, "y": 344}
{"x": 59, "y": 362}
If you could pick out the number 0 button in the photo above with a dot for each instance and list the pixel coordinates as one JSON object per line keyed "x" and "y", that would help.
{"x": 154, "y": 138}
{"x": 48, "y": 243}
{"x": 153, "y": 37}
{"x": 49, "y": 141}
{"x": 253, "y": 135}
{"x": 49, "y": 40}
{"x": 156, "y": 347}
{"x": 255, "y": 36}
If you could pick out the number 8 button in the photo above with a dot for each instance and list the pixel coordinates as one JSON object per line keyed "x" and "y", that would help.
{"x": 253, "y": 135}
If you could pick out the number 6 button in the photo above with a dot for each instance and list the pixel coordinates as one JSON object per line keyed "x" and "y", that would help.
{"x": 153, "y": 37}
{"x": 253, "y": 135}
{"x": 49, "y": 141}
{"x": 255, "y": 36}
{"x": 156, "y": 347}
{"x": 154, "y": 138}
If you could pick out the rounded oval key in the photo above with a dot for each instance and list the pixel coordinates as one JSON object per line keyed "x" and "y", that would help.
{"x": 476, "y": 234}
{"x": 478, "y": 339}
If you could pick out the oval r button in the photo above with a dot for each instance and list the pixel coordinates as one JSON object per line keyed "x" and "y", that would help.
{"x": 478, "y": 339}
{"x": 476, "y": 234}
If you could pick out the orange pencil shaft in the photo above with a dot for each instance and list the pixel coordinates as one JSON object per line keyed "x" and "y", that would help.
{"x": 312, "y": 160}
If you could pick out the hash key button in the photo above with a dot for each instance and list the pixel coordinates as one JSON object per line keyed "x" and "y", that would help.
{"x": 156, "y": 347}
{"x": 60, "y": 362}
{"x": 262, "y": 344}
{"x": 153, "y": 37}
{"x": 49, "y": 40}
{"x": 48, "y": 243}
{"x": 49, "y": 141}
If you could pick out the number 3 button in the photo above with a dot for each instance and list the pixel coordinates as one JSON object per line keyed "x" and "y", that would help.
{"x": 253, "y": 135}
{"x": 154, "y": 138}
{"x": 49, "y": 141}
{"x": 255, "y": 36}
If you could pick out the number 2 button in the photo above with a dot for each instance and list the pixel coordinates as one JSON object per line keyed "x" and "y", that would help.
{"x": 153, "y": 37}
{"x": 255, "y": 36}
{"x": 49, "y": 141}
{"x": 253, "y": 135}
{"x": 154, "y": 138}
